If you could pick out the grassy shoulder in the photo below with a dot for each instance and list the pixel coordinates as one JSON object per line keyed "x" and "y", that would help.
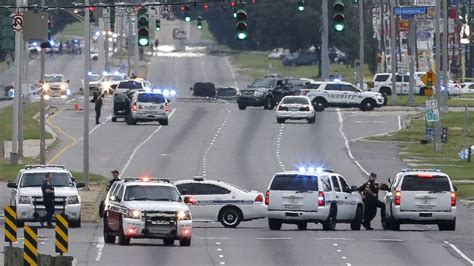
{"x": 256, "y": 65}
{"x": 72, "y": 30}
{"x": 453, "y": 101}
{"x": 3, "y": 66}
{"x": 419, "y": 155}
{"x": 30, "y": 125}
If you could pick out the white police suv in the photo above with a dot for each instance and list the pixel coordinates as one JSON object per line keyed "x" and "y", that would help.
{"x": 312, "y": 195}
{"x": 421, "y": 196}
{"x": 146, "y": 208}
{"x": 342, "y": 94}
{"x": 216, "y": 200}
{"x": 147, "y": 106}
{"x": 27, "y": 197}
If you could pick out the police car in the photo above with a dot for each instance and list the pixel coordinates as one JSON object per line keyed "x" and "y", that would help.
{"x": 131, "y": 85}
{"x": 146, "y": 106}
{"x": 295, "y": 107}
{"x": 342, "y": 94}
{"x": 56, "y": 85}
{"x": 312, "y": 195}
{"x": 146, "y": 208}
{"x": 27, "y": 196}
{"x": 220, "y": 201}
{"x": 419, "y": 196}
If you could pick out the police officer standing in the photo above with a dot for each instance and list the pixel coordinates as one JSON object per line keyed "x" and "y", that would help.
{"x": 370, "y": 192}
{"x": 48, "y": 200}
{"x": 97, "y": 100}
{"x": 115, "y": 178}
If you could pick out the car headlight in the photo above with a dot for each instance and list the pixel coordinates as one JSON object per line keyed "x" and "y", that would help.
{"x": 258, "y": 93}
{"x": 63, "y": 87}
{"x": 24, "y": 200}
{"x": 133, "y": 214}
{"x": 183, "y": 215}
{"x": 73, "y": 200}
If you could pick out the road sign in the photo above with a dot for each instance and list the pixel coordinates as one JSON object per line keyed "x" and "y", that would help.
{"x": 17, "y": 21}
{"x": 429, "y": 134}
{"x": 62, "y": 236}
{"x": 410, "y": 10}
{"x": 30, "y": 246}
{"x": 431, "y": 111}
{"x": 10, "y": 227}
{"x": 165, "y": 10}
{"x": 429, "y": 78}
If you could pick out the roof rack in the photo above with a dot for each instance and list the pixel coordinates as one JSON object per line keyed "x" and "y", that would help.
{"x": 32, "y": 166}
{"x": 146, "y": 179}
{"x": 421, "y": 170}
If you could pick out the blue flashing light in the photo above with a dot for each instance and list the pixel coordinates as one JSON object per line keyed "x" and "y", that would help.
{"x": 319, "y": 169}
{"x": 89, "y": 73}
{"x": 116, "y": 73}
{"x": 337, "y": 80}
{"x": 301, "y": 169}
{"x": 104, "y": 73}
{"x": 166, "y": 92}
{"x": 51, "y": 42}
{"x": 172, "y": 92}
{"x": 311, "y": 169}
{"x": 68, "y": 92}
{"x": 35, "y": 44}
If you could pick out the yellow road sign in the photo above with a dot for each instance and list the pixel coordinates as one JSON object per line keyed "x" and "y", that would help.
{"x": 62, "y": 237}
{"x": 10, "y": 228}
{"x": 429, "y": 78}
{"x": 30, "y": 246}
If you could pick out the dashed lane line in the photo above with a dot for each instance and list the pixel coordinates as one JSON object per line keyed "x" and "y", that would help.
{"x": 100, "y": 247}
{"x": 464, "y": 256}
{"x": 278, "y": 148}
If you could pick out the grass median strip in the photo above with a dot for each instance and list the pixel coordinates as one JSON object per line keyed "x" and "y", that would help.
{"x": 453, "y": 101}
{"x": 418, "y": 155}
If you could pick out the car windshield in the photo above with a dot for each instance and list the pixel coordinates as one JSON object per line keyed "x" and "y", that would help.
{"x": 151, "y": 98}
{"x": 295, "y": 100}
{"x": 120, "y": 98}
{"x": 55, "y": 78}
{"x": 132, "y": 85}
{"x": 265, "y": 83}
{"x": 113, "y": 78}
{"x": 36, "y": 179}
{"x": 436, "y": 183}
{"x": 152, "y": 193}
{"x": 94, "y": 77}
{"x": 381, "y": 78}
{"x": 226, "y": 92}
{"x": 295, "y": 183}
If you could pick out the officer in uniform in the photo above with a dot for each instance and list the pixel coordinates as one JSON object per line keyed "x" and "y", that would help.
{"x": 48, "y": 200}
{"x": 370, "y": 193}
{"x": 115, "y": 178}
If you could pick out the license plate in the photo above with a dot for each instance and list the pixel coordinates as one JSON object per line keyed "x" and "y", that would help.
{"x": 150, "y": 107}
{"x": 425, "y": 201}
{"x": 292, "y": 207}
{"x": 293, "y": 200}
{"x": 294, "y": 109}
{"x": 160, "y": 222}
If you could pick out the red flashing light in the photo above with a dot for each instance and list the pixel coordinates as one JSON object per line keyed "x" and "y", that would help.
{"x": 254, "y": 1}
{"x": 453, "y": 199}
{"x": 267, "y": 198}
{"x": 206, "y": 6}
{"x": 131, "y": 231}
{"x": 233, "y": 4}
{"x": 398, "y": 197}
{"x": 145, "y": 179}
{"x": 425, "y": 176}
{"x": 138, "y": 8}
{"x": 134, "y": 107}
{"x": 91, "y": 9}
{"x": 259, "y": 198}
{"x": 183, "y": 8}
{"x": 321, "y": 199}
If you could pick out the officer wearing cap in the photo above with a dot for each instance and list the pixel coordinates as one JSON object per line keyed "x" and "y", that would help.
{"x": 115, "y": 177}
{"x": 370, "y": 193}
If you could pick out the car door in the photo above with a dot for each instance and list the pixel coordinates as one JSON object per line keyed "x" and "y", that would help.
{"x": 350, "y": 95}
{"x": 339, "y": 199}
{"x": 210, "y": 198}
{"x": 332, "y": 92}
{"x": 348, "y": 200}
{"x": 279, "y": 90}
{"x": 113, "y": 213}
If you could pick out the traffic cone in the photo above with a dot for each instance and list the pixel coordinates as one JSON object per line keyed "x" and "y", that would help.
{"x": 77, "y": 106}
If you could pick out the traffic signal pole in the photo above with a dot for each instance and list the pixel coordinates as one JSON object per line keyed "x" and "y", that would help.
{"x": 87, "y": 58}
{"x": 361, "y": 46}
{"x": 42, "y": 103}
{"x": 393, "y": 56}
{"x": 135, "y": 48}
{"x": 16, "y": 99}
{"x": 324, "y": 42}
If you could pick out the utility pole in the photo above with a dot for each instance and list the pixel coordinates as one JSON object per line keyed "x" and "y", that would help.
{"x": 444, "y": 100}
{"x": 393, "y": 56}
{"x": 106, "y": 39}
{"x": 87, "y": 58}
{"x": 23, "y": 76}
{"x": 437, "y": 129}
{"x": 324, "y": 42}
{"x": 129, "y": 43}
{"x": 16, "y": 99}
{"x": 42, "y": 102}
{"x": 102, "y": 34}
{"x": 411, "y": 60}
{"x": 135, "y": 46}
{"x": 382, "y": 33}
{"x": 361, "y": 45}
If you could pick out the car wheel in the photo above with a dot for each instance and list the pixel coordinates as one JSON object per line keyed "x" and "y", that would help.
{"x": 123, "y": 240}
{"x": 367, "y": 105}
{"x": 394, "y": 225}
{"x": 280, "y": 120}
{"x": 130, "y": 121}
{"x": 312, "y": 120}
{"x": 385, "y": 91}
{"x": 319, "y": 104}
{"x": 274, "y": 224}
{"x": 268, "y": 105}
{"x": 357, "y": 221}
{"x": 330, "y": 223}
{"x": 185, "y": 242}
{"x": 242, "y": 107}
{"x": 385, "y": 100}
{"x": 108, "y": 238}
{"x": 302, "y": 226}
{"x": 230, "y": 217}
{"x": 447, "y": 226}
{"x": 168, "y": 241}
{"x": 76, "y": 224}
{"x": 164, "y": 122}
{"x": 114, "y": 119}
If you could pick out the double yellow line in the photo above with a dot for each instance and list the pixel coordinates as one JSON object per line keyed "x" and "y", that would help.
{"x": 70, "y": 145}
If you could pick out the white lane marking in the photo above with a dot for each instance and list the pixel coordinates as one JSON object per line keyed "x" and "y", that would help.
{"x": 338, "y": 251}
{"x": 214, "y": 238}
{"x": 218, "y": 243}
{"x": 376, "y": 122}
{"x": 141, "y": 144}
{"x": 274, "y": 238}
{"x": 95, "y": 128}
{"x": 221, "y": 256}
{"x": 399, "y": 123}
{"x": 344, "y": 258}
{"x": 219, "y": 249}
{"x": 100, "y": 247}
{"x": 388, "y": 240}
{"x": 464, "y": 256}
{"x": 74, "y": 262}
{"x": 231, "y": 72}
{"x": 222, "y": 262}
{"x": 332, "y": 238}
{"x": 348, "y": 264}
{"x": 278, "y": 146}
{"x": 70, "y": 101}
{"x": 346, "y": 141}
{"x": 335, "y": 244}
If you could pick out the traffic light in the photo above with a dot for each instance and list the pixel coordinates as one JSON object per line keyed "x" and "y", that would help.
{"x": 338, "y": 18}
{"x": 199, "y": 22}
{"x": 158, "y": 24}
{"x": 143, "y": 27}
{"x": 92, "y": 14}
{"x": 187, "y": 16}
{"x": 355, "y": 2}
{"x": 241, "y": 25}
{"x": 301, "y": 6}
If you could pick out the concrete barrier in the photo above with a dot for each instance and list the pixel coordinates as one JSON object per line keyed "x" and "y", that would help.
{"x": 13, "y": 256}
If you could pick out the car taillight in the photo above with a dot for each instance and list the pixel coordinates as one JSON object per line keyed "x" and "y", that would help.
{"x": 453, "y": 199}
{"x": 267, "y": 197}
{"x": 321, "y": 199}
{"x": 134, "y": 107}
{"x": 398, "y": 197}
{"x": 259, "y": 198}
{"x": 282, "y": 108}
{"x": 167, "y": 107}
{"x": 304, "y": 109}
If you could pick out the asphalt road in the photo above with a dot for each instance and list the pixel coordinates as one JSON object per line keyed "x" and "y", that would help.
{"x": 246, "y": 148}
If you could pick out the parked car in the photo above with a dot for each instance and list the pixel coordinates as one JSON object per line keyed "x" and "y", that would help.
{"x": 277, "y": 53}
{"x": 227, "y": 93}
{"x": 204, "y": 89}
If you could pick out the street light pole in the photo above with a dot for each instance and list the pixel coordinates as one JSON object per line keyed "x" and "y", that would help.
{"x": 42, "y": 103}
{"x": 324, "y": 42}
{"x": 437, "y": 129}
{"x": 87, "y": 59}
{"x": 16, "y": 99}
{"x": 361, "y": 45}
{"x": 393, "y": 58}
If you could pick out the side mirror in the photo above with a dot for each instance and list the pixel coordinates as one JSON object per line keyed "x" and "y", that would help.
{"x": 354, "y": 188}
{"x": 455, "y": 188}
{"x": 11, "y": 185}
{"x": 80, "y": 185}
{"x": 389, "y": 181}
{"x": 190, "y": 200}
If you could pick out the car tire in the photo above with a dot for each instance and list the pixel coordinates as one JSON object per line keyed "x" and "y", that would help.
{"x": 114, "y": 119}
{"x": 319, "y": 104}
{"x": 163, "y": 122}
{"x": 385, "y": 100}
{"x": 447, "y": 226}
{"x": 101, "y": 209}
{"x": 302, "y": 226}
{"x": 274, "y": 224}
{"x": 330, "y": 223}
{"x": 76, "y": 224}
{"x": 367, "y": 105}
{"x": 108, "y": 238}
{"x": 123, "y": 240}
{"x": 385, "y": 91}
{"x": 242, "y": 107}
{"x": 280, "y": 120}
{"x": 357, "y": 221}
{"x": 130, "y": 121}
{"x": 312, "y": 120}
{"x": 394, "y": 225}
{"x": 230, "y": 217}
{"x": 185, "y": 242}
{"x": 268, "y": 104}
{"x": 168, "y": 241}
